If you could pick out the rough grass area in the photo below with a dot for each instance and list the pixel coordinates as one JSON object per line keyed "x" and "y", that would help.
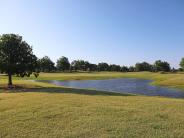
{"x": 37, "y": 109}
{"x": 51, "y": 114}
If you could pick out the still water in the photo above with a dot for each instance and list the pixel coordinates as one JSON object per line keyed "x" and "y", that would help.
{"x": 124, "y": 85}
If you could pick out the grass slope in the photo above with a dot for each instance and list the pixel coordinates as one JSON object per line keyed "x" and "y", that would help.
{"x": 45, "y": 110}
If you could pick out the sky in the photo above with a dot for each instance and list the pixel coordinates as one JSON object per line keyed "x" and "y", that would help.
{"x": 114, "y": 31}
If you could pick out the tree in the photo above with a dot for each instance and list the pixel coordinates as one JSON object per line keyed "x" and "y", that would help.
{"x": 131, "y": 69}
{"x": 144, "y": 66}
{"x": 124, "y": 69}
{"x": 74, "y": 65}
{"x": 16, "y": 57}
{"x": 86, "y": 66}
{"x": 182, "y": 63}
{"x": 63, "y": 64}
{"x": 114, "y": 67}
{"x": 46, "y": 64}
{"x": 162, "y": 66}
{"x": 103, "y": 67}
{"x": 93, "y": 67}
{"x": 80, "y": 65}
{"x": 180, "y": 69}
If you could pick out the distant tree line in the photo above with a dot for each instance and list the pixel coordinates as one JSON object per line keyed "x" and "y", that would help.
{"x": 17, "y": 58}
{"x": 63, "y": 64}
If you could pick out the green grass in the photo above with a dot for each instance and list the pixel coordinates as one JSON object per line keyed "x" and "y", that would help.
{"x": 45, "y": 110}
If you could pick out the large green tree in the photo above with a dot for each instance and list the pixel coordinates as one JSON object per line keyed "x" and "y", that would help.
{"x": 182, "y": 63}
{"x": 16, "y": 57}
{"x": 124, "y": 69}
{"x": 93, "y": 67}
{"x": 46, "y": 64}
{"x": 144, "y": 66}
{"x": 103, "y": 66}
{"x": 114, "y": 67}
{"x": 80, "y": 65}
{"x": 63, "y": 64}
{"x": 162, "y": 66}
{"x": 131, "y": 69}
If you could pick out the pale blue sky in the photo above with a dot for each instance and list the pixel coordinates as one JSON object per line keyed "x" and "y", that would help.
{"x": 115, "y": 31}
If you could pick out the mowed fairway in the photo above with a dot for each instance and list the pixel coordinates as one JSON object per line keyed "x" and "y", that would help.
{"x": 45, "y": 110}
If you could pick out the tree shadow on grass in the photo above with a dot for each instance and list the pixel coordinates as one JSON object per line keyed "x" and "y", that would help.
{"x": 65, "y": 90}
{"x": 76, "y": 91}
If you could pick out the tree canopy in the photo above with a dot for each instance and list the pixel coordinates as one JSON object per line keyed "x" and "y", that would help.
{"x": 162, "y": 66}
{"x": 16, "y": 56}
{"x": 131, "y": 69}
{"x": 124, "y": 69}
{"x": 63, "y": 64}
{"x": 144, "y": 66}
{"x": 80, "y": 65}
{"x": 182, "y": 63}
{"x": 46, "y": 64}
{"x": 103, "y": 66}
{"x": 114, "y": 67}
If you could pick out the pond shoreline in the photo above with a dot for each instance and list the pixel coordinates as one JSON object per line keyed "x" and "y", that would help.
{"x": 121, "y": 85}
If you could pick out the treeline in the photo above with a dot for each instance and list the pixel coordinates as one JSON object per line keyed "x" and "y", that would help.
{"x": 17, "y": 58}
{"x": 45, "y": 64}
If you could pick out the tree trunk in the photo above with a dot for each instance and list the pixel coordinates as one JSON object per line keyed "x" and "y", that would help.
{"x": 10, "y": 85}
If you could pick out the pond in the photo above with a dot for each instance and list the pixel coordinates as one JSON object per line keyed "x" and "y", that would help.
{"x": 123, "y": 85}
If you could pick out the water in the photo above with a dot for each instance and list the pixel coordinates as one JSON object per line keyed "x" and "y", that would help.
{"x": 133, "y": 86}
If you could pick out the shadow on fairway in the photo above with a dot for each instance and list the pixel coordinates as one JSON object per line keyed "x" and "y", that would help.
{"x": 61, "y": 90}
